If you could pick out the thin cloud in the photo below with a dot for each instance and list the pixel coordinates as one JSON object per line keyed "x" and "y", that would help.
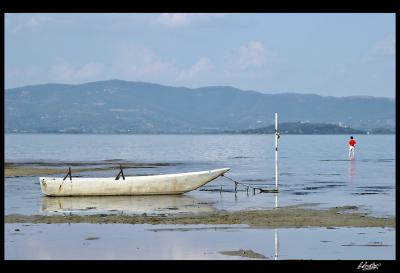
{"x": 90, "y": 71}
{"x": 67, "y": 73}
{"x": 19, "y": 76}
{"x": 138, "y": 62}
{"x": 174, "y": 20}
{"x": 21, "y": 22}
{"x": 201, "y": 68}
{"x": 250, "y": 57}
{"x": 135, "y": 62}
{"x": 385, "y": 48}
{"x": 131, "y": 62}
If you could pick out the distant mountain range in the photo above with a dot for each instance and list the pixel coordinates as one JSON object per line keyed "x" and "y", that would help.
{"x": 117, "y": 106}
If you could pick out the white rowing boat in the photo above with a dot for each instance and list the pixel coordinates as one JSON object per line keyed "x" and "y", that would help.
{"x": 136, "y": 185}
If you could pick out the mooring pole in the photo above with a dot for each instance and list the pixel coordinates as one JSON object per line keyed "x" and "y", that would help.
{"x": 276, "y": 151}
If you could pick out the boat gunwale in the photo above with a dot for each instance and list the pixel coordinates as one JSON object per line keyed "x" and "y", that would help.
{"x": 109, "y": 179}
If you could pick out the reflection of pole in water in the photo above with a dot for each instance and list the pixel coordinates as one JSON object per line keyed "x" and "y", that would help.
{"x": 276, "y": 245}
{"x": 276, "y": 151}
{"x": 276, "y": 200}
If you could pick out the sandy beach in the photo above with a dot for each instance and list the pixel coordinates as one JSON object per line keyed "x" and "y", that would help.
{"x": 277, "y": 218}
{"x": 47, "y": 168}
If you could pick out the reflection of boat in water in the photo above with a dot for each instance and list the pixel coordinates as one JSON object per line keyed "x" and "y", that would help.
{"x": 126, "y": 204}
{"x": 135, "y": 185}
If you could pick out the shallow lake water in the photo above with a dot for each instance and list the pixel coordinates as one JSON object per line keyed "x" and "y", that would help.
{"x": 194, "y": 242}
{"x": 313, "y": 170}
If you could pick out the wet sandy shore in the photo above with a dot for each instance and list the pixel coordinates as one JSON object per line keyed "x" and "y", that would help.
{"x": 244, "y": 253}
{"x": 285, "y": 217}
{"x": 46, "y": 168}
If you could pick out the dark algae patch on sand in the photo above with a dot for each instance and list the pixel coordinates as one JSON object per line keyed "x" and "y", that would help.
{"x": 92, "y": 238}
{"x": 290, "y": 217}
{"x": 244, "y": 253}
{"x": 47, "y": 168}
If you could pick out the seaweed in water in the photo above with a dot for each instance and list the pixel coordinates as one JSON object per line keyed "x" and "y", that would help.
{"x": 244, "y": 253}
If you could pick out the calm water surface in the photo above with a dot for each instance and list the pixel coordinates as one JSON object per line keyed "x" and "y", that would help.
{"x": 194, "y": 242}
{"x": 312, "y": 169}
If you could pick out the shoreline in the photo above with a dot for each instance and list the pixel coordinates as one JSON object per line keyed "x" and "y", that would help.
{"x": 286, "y": 217}
{"x": 17, "y": 169}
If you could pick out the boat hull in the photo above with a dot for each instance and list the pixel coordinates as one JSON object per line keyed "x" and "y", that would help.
{"x": 138, "y": 185}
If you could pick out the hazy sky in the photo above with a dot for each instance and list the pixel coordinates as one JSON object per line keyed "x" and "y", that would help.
{"x": 326, "y": 54}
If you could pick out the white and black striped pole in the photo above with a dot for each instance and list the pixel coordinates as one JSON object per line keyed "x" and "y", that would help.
{"x": 276, "y": 151}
